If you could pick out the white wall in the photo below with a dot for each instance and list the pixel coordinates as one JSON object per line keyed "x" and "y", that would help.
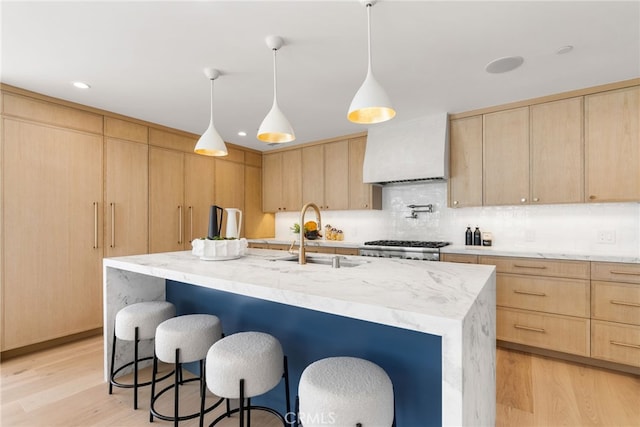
{"x": 551, "y": 228}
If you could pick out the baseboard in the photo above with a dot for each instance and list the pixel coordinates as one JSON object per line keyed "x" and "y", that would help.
{"x": 15, "y": 352}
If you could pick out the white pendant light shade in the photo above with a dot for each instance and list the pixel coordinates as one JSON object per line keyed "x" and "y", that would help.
{"x": 211, "y": 143}
{"x": 275, "y": 127}
{"x": 371, "y": 103}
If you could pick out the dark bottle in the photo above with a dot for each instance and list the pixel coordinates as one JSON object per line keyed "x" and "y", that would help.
{"x": 468, "y": 237}
{"x": 477, "y": 239}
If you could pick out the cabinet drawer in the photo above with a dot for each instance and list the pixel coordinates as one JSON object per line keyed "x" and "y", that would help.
{"x": 320, "y": 249}
{"x": 347, "y": 251}
{"x": 539, "y": 267}
{"x": 615, "y": 342}
{"x": 618, "y": 302}
{"x": 615, "y": 272}
{"x": 461, "y": 258}
{"x": 547, "y": 294}
{"x": 553, "y": 332}
{"x": 259, "y": 245}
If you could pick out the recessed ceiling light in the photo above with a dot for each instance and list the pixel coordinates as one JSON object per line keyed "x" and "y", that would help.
{"x": 502, "y": 65}
{"x": 242, "y": 133}
{"x": 564, "y": 49}
{"x": 81, "y": 85}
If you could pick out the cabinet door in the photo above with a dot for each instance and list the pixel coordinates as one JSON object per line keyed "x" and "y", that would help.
{"x": 257, "y": 224}
{"x": 361, "y": 195}
{"x": 52, "y": 199}
{"x": 166, "y": 200}
{"x": 336, "y": 175}
{"x": 557, "y": 159}
{"x": 506, "y": 157}
{"x": 126, "y": 198}
{"x": 272, "y": 182}
{"x": 199, "y": 181}
{"x": 229, "y": 188}
{"x": 313, "y": 176}
{"x": 292, "y": 180}
{"x": 612, "y": 141}
{"x": 465, "y": 181}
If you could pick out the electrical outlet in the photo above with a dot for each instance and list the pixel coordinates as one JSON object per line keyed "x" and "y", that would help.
{"x": 606, "y": 236}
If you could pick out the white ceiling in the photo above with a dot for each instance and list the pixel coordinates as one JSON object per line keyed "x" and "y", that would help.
{"x": 145, "y": 59}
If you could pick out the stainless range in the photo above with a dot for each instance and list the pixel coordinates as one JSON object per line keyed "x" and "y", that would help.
{"x": 405, "y": 249}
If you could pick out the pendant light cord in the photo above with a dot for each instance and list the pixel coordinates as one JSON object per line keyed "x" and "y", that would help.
{"x": 275, "y": 83}
{"x": 369, "y": 34}
{"x": 212, "y": 100}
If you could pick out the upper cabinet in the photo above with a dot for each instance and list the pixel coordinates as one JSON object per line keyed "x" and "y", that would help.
{"x": 465, "y": 171}
{"x": 612, "y": 142}
{"x": 571, "y": 150}
{"x": 325, "y": 172}
{"x": 557, "y": 154}
{"x": 282, "y": 184}
{"x": 506, "y": 157}
{"x": 361, "y": 195}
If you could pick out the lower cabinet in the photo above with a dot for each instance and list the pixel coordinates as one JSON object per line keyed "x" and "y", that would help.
{"x": 615, "y": 312}
{"x": 308, "y": 249}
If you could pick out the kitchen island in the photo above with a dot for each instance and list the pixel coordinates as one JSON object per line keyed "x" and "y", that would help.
{"x": 400, "y": 314}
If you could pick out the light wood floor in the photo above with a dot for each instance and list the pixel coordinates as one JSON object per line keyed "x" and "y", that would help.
{"x": 64, "y": 387}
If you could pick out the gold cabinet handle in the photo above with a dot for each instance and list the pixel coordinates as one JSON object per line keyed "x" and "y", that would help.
{"x": 455, "y": 203}
{"x": 529, "y": 328}
{"x": 624, "y": 344}
{"x": 190, "y": 224}
{"x": 95, "y": 225}
{"x": 523, "y": 200}
{"x": 626, "y": 273}
{"x": 630, "y": 304}
{"x": 537, "y": 267}
{"x": 113, "y": 225}
{"x": 536, "y": 294}
{"x": 179, "y": 224}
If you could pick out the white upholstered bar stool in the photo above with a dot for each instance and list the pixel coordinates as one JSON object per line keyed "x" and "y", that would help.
{"x": 180, "y": 340}
{"x": 245, "y": 365}
{"x": 345, "y": 391}
{"x": 137, "y": 322}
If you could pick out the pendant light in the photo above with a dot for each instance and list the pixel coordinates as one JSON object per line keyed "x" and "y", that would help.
{"x": 275, "y": 127}
{"x": 371, "y": 103}
{"x": 211, "y": 143}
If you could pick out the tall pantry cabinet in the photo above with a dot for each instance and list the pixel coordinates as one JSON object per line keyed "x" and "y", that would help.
{"x": 52, "y": 244}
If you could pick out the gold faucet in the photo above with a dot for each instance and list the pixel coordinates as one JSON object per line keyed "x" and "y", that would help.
{"x": 301, "y": 255}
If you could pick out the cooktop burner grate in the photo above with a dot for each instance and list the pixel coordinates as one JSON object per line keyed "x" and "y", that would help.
{"x": 407, "y": 243}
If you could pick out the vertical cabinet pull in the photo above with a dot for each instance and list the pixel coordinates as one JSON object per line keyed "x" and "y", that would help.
{"x": 179, "y": 224}
{"x": 190, "y": 224}
{"x": 95, "y": 225}
{"x": 113, "y": 225}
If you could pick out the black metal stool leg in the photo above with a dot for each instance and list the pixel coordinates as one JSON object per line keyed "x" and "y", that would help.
{"x": 153, "y": 386}
{"x": 286, "y": 388}
{"x": 241, "y": 403}
{"x": 203, "y": 390}
{"x": 135, "y": 369}
{"x": 177, "y": 384}
{"x": 113, "y": 360}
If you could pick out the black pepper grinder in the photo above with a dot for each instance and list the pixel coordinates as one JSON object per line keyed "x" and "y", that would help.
{"x": 477, "y": 238}
{"x": 468, "y": 236}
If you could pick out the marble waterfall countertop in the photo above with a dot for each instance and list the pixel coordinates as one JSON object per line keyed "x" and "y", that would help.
{"x": 453, "y": 301}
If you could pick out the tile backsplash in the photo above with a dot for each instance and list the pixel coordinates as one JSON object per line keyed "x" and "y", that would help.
{"x": 568, "y": 228}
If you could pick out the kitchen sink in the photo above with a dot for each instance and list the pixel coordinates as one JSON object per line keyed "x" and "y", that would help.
{"x": 328, "y": 260}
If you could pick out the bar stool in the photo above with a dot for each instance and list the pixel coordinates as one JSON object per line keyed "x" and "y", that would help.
{"x": 245, "y": 365}
{"x": 345, "y": 391}
{"x": 179, "y": 340}
{"x": 137, "y": 322}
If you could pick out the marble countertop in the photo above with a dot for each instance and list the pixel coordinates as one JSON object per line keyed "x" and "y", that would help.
{"x": 480, "y": 250}
{"x": 414, "y": 295}
{"x": 489, "y": 250}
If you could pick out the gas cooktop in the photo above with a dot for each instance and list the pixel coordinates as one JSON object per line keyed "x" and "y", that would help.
{"x": 408, "y": 243}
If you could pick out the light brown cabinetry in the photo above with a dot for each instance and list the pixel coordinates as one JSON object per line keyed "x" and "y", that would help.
{"x": 543, "y": 303}
{"x": 465, "y": 171}
{"x": 199, "y": 184}
{"x": 229, "y": 188}
{"x": 126, "y": 202}
{"x": 460, "y": 258}
{"x": 325, "y": 175}
{"x": 615, "y": 312}
{"x": 612, "y": 140}
{"x": 557, "y": 153}
{"x": 282, "y": 183}
{"x": 52, "y": 222}
{"x": 506, "y": 157}
{"x": 361, "y": 195}
{"x": 256, "y": 223}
